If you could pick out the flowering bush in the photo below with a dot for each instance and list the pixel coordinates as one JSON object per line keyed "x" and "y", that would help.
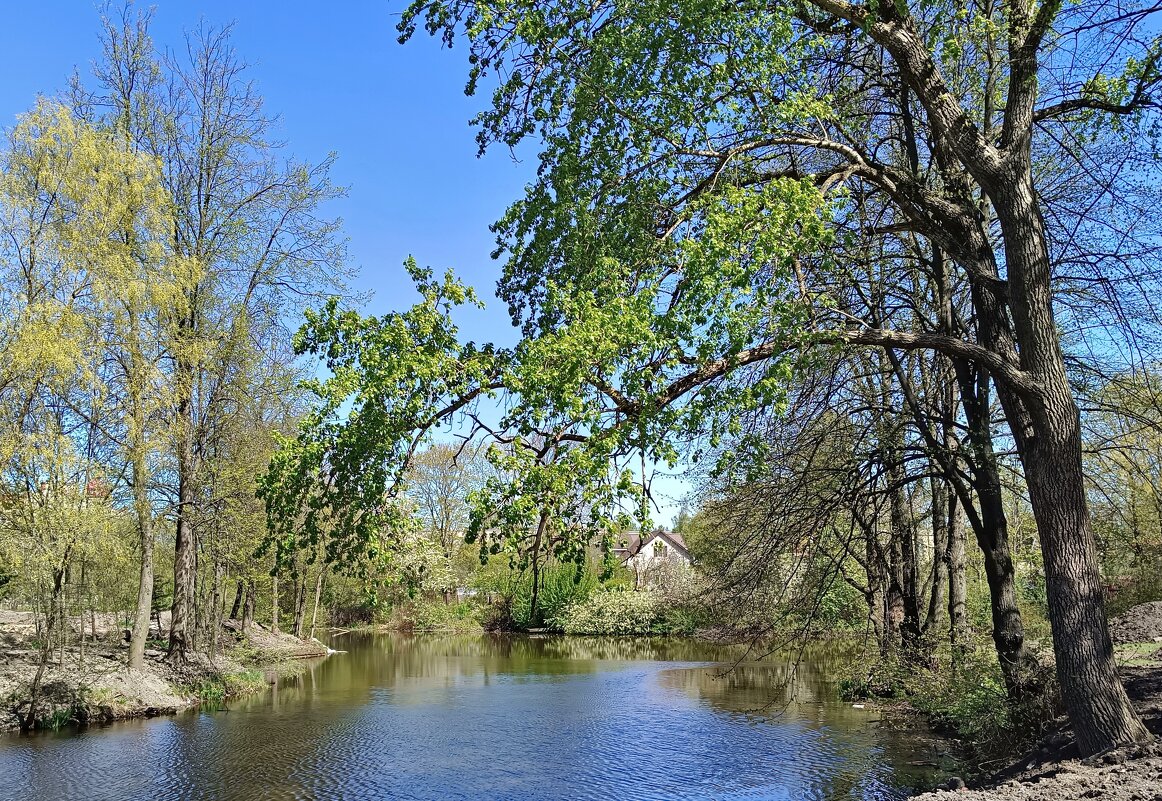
{"x": 613, "y": 612}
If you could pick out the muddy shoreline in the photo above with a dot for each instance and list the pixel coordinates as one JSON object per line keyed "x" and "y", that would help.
{"x": 1053, "y": 771}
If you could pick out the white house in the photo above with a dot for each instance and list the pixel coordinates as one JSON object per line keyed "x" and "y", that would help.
{"x": 656, "y": 552}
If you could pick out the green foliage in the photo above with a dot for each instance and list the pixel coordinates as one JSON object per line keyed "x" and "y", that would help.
{"x": 155, "y": 247}
{"x": 340, "y": 479}
{"x": 434, "y": 615}
{"x": 678, "y": 618}
{"x": 244, "y": 682}
{"x": 209, "y": 691}
{"x": 214, "y": 690}
{"x": 348, "y": 603}
{"x": 963, "y": 698}
{"x": 561, "y": 585}
{"x": 615, "y": 315}
{"x": 841, "y": 607}
{"x": 969, "y": 702}
{"x": 57, "y": 718}
{"x": 616, "y": 612}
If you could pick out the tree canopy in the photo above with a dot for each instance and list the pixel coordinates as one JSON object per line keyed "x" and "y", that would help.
{"x": 729, "y": 195}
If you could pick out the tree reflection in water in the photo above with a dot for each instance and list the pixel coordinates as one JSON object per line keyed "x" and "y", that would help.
{"x": 517, "y": 717}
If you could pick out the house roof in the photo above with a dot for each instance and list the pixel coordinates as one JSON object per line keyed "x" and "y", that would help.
{"x": 634, "y": 543}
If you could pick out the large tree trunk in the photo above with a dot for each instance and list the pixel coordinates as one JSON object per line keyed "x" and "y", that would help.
{"x": 939, "y": 581}
{"x": 318, "y": 593}
{"x": 248, "y": 607}
{"x": 875, "y": 597}
{"x": 904, "y": 549}
{"x": 300, "y": 604}
{"x": 1099, "y": 708}
{"x": 990, "y": 527}
{"x": 894, "y": 613}
{"x": 1017, "y": 664}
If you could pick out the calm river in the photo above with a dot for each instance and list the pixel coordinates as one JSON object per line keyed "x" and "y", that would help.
{"x": 475, "y": 717}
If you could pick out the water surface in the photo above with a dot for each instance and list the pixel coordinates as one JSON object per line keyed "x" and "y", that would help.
{"x": 499, "y": 717}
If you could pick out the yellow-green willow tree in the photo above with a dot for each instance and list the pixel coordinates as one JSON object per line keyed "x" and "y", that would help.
{"x": 245, "y": 214}
{"x": 108, "y": 224}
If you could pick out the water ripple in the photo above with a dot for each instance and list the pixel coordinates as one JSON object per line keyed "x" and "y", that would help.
{"x": 479, "y": 722}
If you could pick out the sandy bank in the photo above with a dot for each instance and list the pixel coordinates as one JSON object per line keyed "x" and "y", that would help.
{"x": 93, "y": 684}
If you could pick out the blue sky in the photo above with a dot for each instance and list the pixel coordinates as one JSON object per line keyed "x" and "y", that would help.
{"x": 339, "y": 81}
{"x": 335, "y": 75}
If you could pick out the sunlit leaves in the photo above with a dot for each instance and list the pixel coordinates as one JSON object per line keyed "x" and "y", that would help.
{"x": 390, "y": 379}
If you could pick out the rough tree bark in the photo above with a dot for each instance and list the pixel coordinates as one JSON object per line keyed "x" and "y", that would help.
{"x": 876, "y": 600}
{"x": 894, "y": 606}
{"x": 1049, "y": 438}
{"x": 905, "y": 573}
{"x": 958, "y": 629}
{"x": 1098, "y": 706}
{"x": 144, "y": 610}
{"x": 248, "y": 607}
{"x": 238, "y": 595}
{"x": 939, "y": 580}
{"x": 182, "y": 612}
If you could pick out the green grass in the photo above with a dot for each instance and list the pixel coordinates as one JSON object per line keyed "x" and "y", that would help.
{"x": 216, "y": 690}
{"x": 1137, "y": 654}
{"x": 436, "y": 616}
{"x": 244, "y": 682}
{"x": 61, "y": 716}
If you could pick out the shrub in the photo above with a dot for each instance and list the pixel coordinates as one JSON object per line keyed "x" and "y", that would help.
{"x": 211, "y": 691}
{"x": 968, "y": 702}
{"x": 679, "y": 619}
{"x": 435, "y": 615}
{"x": 244, "y": 682}
{"x": 562, "y": 584}
{"x": 615, "y": 612}
{"x": 841, "y": 607}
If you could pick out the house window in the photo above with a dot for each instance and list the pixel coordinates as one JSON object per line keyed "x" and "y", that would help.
{"x": 659, "y": 549}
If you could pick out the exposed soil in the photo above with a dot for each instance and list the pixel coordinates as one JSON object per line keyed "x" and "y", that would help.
{"x": 1052, "y": 772}
{"x": 1142, "y": 623}
{"x": 94, "y": 685}
{"x": 1135, "y": 776}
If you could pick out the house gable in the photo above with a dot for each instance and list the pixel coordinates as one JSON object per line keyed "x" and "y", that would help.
{"x": 639, "y": 549}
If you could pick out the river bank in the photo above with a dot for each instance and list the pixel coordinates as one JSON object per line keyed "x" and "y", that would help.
{"x": 1053, "y": 771}
{"x": 92, "y": 684}
{"x": 1127, "y": 776}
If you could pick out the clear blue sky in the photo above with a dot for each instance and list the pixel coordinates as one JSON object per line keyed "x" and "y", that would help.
{"x": 336, "y": 76}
